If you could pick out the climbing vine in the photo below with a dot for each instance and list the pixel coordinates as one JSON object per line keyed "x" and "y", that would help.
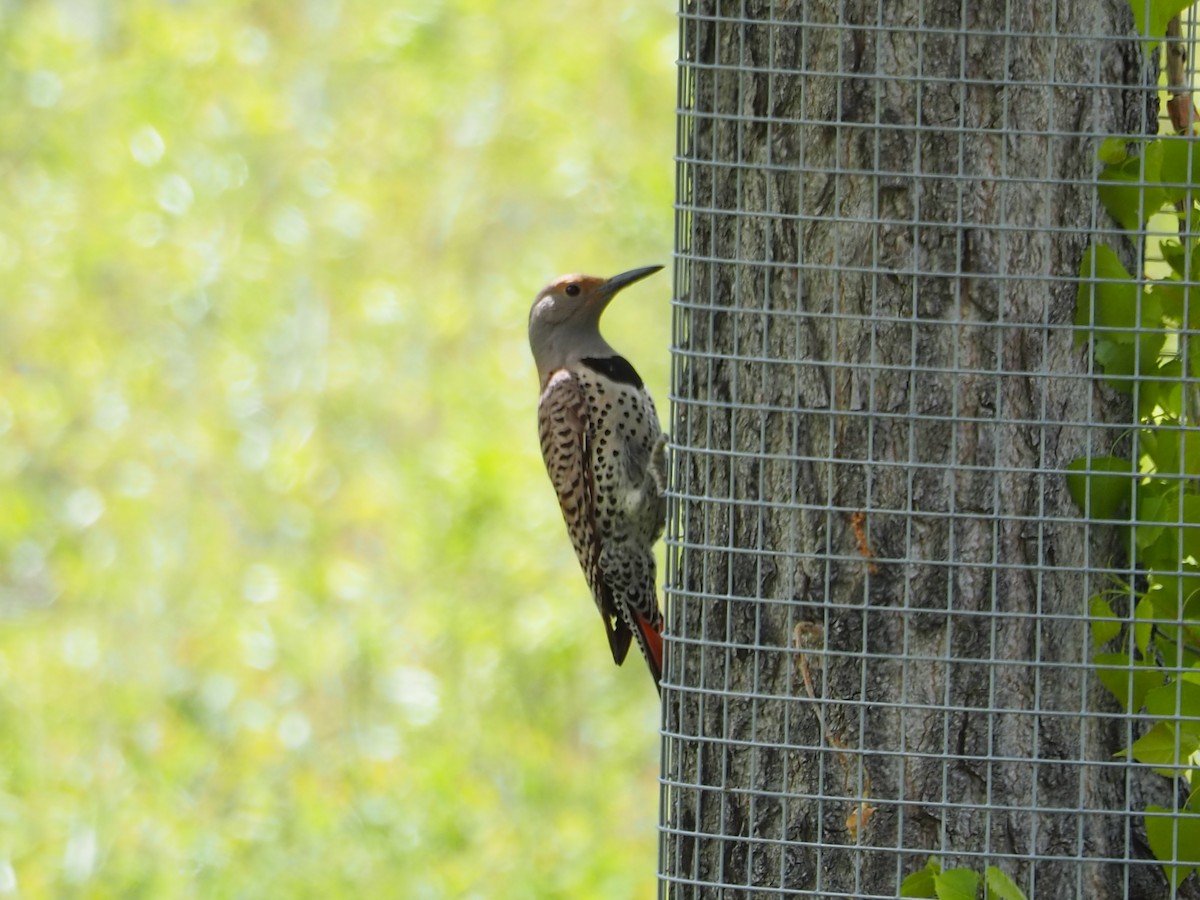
{"x": 959, "y": 884}
{"x": 1144, "y": 337}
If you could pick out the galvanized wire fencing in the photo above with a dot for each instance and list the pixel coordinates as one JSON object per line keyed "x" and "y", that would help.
{"x": 902, "y": 616}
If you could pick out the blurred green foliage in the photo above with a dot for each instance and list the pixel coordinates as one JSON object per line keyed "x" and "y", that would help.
{"x": 286, "y": 605}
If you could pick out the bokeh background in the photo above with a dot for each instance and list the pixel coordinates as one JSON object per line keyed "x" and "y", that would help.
{"x": 286, "y": 605}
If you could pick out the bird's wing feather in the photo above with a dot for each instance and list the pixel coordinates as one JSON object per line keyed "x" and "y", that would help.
{"x": 565, "y": 431}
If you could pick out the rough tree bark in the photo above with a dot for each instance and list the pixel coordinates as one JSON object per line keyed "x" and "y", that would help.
{"x": 879, "y": 588}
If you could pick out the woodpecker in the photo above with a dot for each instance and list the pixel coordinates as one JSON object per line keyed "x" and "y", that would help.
{"x": 605, "y": 454}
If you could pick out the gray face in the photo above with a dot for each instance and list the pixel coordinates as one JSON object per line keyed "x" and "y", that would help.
{"x": 564, "y": 321}
{"x": 569, "y": 298}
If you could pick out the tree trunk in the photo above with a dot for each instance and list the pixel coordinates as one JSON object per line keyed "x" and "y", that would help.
{"x": 878, "y": 581}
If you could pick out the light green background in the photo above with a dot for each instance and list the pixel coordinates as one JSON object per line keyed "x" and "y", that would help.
{"x": 286, "y": 605}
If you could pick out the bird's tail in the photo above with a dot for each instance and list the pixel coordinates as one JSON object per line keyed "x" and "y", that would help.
{"x": 649, "y": 637}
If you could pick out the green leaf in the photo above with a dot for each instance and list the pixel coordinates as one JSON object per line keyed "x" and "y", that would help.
{"x": 1105, "y": 625}
{"x": 1179, "y": 703}
{"x": 1180, "y": 171}
{"x": 1180, "y": 301}
{"x": 1167, "y": 523}
{"x": 1123, "y": 321}
{"x": 1175, "y": 299}
{"x": 1142, "y": 627}
{"x": 1191, "y": 522}
{"x": 921, "y": 882}
{"x": 1132, "y": 190}
{"x": 1191, "y": 606}
{"x": 1190, "y": 440}
{"x": 1157, "y": 503}
{"x": 1127, "y": 366}
{"x": 1107, "y": 295}
{"x": 1100, "y": 486}
{"x": 1161, "y": 12}
{"x": 1174, "y": 255}
{"x": 1146, "y": 390}
{"x": 1118, "y": 361}
{"x": 1181, "y": 643}
{"x": 1172, "y": 592}
{"x": 1175, "y": 841}
{"x": 1115, "y": 150}
{"x": 956, "y": 884}
{"x": 1001, "y": 887}
{"x": 1161, "y": 446}
{"x": 1166, "y": 748}
{"x": 1127, "y": 681}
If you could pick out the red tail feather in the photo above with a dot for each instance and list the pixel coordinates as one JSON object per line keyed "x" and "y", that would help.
{"x": 653, "y": 642}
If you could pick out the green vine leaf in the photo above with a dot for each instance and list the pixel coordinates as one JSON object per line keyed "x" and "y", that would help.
{"x": 1161, "y": 12}
{"x": 1174, "y": 838}
{"x": 1128, "y": 681}
{"x": 1123, "y": 321}
{"x": 1143, "y": 336}
{"x": 1180, "y": 166}
{"x": 1101, "y": 486}
{"x": 1167, "y": 748}
{"x": 1168, "y": 529}
{"x": 1162, "y": 448}
{"x": 1178, "y": 259}
{"x": 1107, "y": 295}
{"x": 1143, "y": 627}
{"x": 1132, "y": 189}
{"x": 1105, "y": 625}
{"x": 1113, "y": 151}
{"x": 1158, "y": 504}
{"x": 1179, "y": 701}
{"x": 1001, "y": 887}
{"x": 956, "y": 884}
{"x": 921, "y": 882}
{"x": 1173, "y": 592}
{"x": 1190, "y": 526}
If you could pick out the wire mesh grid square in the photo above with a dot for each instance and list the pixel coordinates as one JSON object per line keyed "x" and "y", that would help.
{"x": 878, "y": 585}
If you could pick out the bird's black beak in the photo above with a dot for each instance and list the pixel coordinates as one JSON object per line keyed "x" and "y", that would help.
{"x": 625, "y": 279}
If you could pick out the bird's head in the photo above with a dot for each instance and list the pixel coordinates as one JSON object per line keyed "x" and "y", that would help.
{"x": 564, "y": 321}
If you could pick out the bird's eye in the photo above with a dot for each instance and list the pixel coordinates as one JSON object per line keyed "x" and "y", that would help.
{"x": 572, "y": 290}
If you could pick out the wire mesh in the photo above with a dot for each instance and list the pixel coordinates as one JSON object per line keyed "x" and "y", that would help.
{"x": 881, "y": 642}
